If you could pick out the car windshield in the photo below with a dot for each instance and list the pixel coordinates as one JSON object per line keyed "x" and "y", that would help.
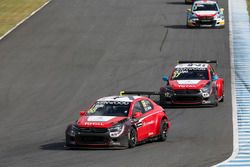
{"x": 109, "y": 108}
{"x": 190, "y": 74}
{"x": 205, "y": 7}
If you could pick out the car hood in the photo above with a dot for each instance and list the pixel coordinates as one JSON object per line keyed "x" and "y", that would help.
{"x": 187, "y": 84}
{"x": 205, "y": 13}
{"x": 98, "y": 121}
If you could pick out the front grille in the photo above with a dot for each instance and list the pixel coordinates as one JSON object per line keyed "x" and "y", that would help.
{"x": 82, "y": 140}
{"x": 93, "y": 130}
{"x": 186, "y": 92}
{"x": 191, "y": 99}
{"x": 189, "y": 96}
{"x": 206, "y": 18}
{"x": 206, "y": 22}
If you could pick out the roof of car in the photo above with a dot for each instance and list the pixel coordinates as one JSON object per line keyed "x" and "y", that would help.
{"x": 126, "y": 98}
{"x": 192, "y": 65}
{"x": 205, "y": 1}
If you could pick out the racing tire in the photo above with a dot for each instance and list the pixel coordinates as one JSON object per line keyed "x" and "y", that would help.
{"x": 216, "y": 102}
{"x": 163, "y": 131}
{"x": 189, "y": 27}
{"x": 67, "y": 143}
{"x": 222, "y": 99}
{"x": 132, "y": 138}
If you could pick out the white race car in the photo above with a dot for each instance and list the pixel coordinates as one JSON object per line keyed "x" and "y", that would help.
{"x": 205, "y": 13}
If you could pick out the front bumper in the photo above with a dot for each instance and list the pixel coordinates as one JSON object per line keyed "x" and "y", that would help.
{"x": 205, "y": 23}
{"x": 192, "y": 97}
{"x": 79, "y": 138}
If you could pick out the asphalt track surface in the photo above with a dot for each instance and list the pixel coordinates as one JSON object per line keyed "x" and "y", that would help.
{"x": 72, "y": 52}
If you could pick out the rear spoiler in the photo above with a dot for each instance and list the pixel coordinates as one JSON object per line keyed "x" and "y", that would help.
{"x": 197, "y": 61}
{"x": 159, "y": 100}
{"x": 139, "y": 93}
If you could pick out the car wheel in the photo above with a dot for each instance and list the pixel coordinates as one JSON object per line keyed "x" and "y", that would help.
{"x": 216, "y": 102}
{"x": 132, "y": 138}
{"x": 222, "y": 99}
{"x": 187, "y": 25}
{"x": 67, "y": 142}
{"x": 163, "y": 130}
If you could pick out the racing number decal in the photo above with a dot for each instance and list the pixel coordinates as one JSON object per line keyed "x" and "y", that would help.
{"x": 176, "y": 74}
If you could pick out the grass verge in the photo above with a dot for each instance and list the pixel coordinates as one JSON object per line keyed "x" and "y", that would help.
{"x": 14, "y": 11}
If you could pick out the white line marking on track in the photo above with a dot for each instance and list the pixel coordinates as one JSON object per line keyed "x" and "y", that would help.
{"x": 26, "y": 18}
{"x": 239, "y": 33}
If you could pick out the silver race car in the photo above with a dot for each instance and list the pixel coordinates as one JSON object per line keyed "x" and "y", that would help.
{"x": 205, "y": 13}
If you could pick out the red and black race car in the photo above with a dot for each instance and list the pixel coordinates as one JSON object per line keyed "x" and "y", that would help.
{"x": 193, "y": 82}
{"x": 119, "y": 121}
{"x": 189, "y": 1}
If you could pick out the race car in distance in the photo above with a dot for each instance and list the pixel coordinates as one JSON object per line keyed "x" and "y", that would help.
{"x": 118, "y": 121}
{"x": 193, "y": 82}
{"x": 205, "y": 13}
{"x": 189, "y": 1}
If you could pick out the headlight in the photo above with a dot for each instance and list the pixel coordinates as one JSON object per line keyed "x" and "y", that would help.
{"x": 219, "y": 16}
{"x": 72, "y": 129}
{"x": 116, "y": 130}
{"x": 206, "y": 90}
{"x": 194, "y": 17}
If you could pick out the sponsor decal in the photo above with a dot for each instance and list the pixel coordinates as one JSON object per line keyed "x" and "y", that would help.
{"x": 148, "y": 123}
{"x": 116, "y": 143}
{"x": 206, "y": 102}
{"x": 183, "y": 82}
{"x": 191, "y": 68}
{"x": 114, "y": 102}
{"x": 150, "y": 133}
{"x": 100, "y": 118}
{"x": 186, "y": 86}
{"x": 93, "y": 123}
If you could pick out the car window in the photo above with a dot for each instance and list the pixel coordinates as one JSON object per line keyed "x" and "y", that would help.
{"x": 147, "y": 105}
{"x": 109, "y": 108}
{"x": 138, "y": 107}
{"x": 190, "y": 74}
{"x": 205, "y": 7}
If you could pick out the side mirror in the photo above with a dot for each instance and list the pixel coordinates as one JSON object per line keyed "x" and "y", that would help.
{"x": 137, "y": 114}
{"x": 188, "y": 10}
{"x": 165, "y": 78}
{"x": 83, "y": 113}
{"x": 215, "y": 77}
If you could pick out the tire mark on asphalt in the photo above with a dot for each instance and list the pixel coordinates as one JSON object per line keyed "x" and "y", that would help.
{"x": 164, "y": 39}
{"x": 166, "y": 33}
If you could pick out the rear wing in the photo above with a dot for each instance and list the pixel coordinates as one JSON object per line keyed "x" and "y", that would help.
{"x": 139, "y": 93}
{"x": 198, "y": 61}
{"x": 158, "y": 97}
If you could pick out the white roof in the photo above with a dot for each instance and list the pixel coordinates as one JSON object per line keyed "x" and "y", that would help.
{"x": 205, "y": 2}
{"x": 119, "y": 98}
